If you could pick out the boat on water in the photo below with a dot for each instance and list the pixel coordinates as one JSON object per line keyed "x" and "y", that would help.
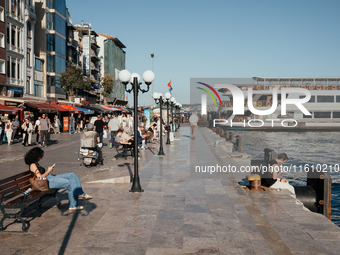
{"x": 323, "y": 105}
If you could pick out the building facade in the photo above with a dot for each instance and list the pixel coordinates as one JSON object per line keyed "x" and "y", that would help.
{"x": 2, "y": 48}
{"x": 112, "y": 58}
{"x": 51, "y": 46}
{"x": 29, "y": 30}
{"x": 15, "y": 45}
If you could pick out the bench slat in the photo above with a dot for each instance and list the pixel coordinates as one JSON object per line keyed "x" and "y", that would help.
{"x": 15, "y": 177}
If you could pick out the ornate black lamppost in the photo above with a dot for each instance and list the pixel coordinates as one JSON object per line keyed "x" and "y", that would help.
{"x": 134, "y": 78}
{"x": 167, "y": 102}
{"x": 158, "y": 97}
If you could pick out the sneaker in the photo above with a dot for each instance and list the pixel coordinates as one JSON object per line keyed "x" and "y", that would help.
{"x": 84, "y": 197}
{"x": 78, "y": 208}
{"x": 110, "y": 145}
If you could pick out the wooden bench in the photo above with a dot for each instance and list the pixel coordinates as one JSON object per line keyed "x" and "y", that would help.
{"x": 12, "y": 196}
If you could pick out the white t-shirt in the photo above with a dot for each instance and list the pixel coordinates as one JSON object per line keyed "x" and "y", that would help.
{"x": 193, "y": 119}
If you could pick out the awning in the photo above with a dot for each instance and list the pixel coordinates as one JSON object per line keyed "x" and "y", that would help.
{"x": 8, "y": 109}
{"x": 85, "y": 111}
{"x": 96, "y": 108}
{"x": 43, "y": 108}
{"x": 107, "y": 107}
{"x": 59, "y": 107}
{"x": 70, "y": 108}
{"x": 122, "y": 109}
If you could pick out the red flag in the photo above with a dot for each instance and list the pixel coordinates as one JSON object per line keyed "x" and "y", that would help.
{"x": 169, "y": 84}
{"x": 126, "y": 97}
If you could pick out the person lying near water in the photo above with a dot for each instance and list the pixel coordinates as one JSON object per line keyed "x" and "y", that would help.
{"x": 69, "y": 181}
{"x": 271, "y": 178}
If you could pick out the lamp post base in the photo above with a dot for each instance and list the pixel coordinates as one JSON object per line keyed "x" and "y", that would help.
{"x": 161, "y": 152}
{"x": 168, "y": 141}
{"x": 136, "y": 185}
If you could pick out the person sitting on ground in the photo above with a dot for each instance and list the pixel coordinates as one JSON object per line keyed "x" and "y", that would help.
{"x": 272, "y": 179}
{"x": 90, "y": 129}
{"x": 69, "y": 181}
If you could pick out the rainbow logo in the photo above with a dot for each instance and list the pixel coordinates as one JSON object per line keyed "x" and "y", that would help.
{"x": 209, "y": 93}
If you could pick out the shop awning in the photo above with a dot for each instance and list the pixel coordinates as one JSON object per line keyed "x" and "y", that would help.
{"x": 97, "y": 108}
{"x": 8, "y": 109}
{"x": 59, "y": 107}
{"x": 107, "y": 107}
{"x": 85, "y": 111}
{"x": 70, "y": 108}
{"x": 42, "y": 108}
{"x": 122, "y": 109}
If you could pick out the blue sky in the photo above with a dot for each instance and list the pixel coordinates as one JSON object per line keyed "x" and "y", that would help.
{"x": 219, "y": 39}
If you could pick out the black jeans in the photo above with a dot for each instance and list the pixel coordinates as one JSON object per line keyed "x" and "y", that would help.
{"x": 44, "y": 137}
{"x": 113, "y": 136}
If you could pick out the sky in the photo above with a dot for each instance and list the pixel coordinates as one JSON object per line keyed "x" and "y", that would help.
{"x": 218, "y": 38}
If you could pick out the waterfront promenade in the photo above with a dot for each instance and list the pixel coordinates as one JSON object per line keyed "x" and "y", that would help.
{"x": 177, "y": 213}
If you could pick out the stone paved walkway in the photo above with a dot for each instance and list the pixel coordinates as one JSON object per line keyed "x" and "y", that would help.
{"x": 177, "y": 213}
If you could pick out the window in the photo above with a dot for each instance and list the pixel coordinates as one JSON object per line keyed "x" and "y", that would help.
{"x": 8, "y": 67}
{"x": 37, "y": 88}
{"x": 2, "y": 66}
{"x": 28, "y": 85}
{"x": 2, "y": 17}
{"x": 13, "y": 6}
{"x": 13, "y": 29}
{"x": 2, "y": 41}
{"x": 311, "y": 100}
{"x": 18, "y": 41}
{"x": 55, "y": 64}
{"x": 18, "y": 70}
{"x": 336, "y": 115}
{"x": 29, "y": 29}
{"x": 28, "y": 57}
{"x": 322, "y": 114}
{"x": 50, "y": 63}
{"x": 325, "y": 99}
{"x": 338, "y": 99}
{"x": 13, "y": 68}
{"x": 50, "y": 21}
{"x": 308, "y": 116}
{"x": 38, "y": 65}
{"x": 7, "y": 35}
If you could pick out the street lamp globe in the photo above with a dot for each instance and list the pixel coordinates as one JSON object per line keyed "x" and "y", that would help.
{"x": 167, "y": 95}
{"x": 148, "y": 77}
{"x": 133, "y": 75}
{"x": 172, "y": 100}
{"x": 155, "y": 95}
{"x": 124, "y": 76}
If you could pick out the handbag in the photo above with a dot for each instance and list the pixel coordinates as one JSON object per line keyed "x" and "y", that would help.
{"x": 39, "y": 185}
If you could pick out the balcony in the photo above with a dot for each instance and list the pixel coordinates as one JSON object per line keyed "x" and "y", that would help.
{"x": 14, "y": 49}
{"x": 94, "y": 54}
{"x": 94, "y": 68}
{"x": 15, "y": 17}
{"x": 16, "y": 82}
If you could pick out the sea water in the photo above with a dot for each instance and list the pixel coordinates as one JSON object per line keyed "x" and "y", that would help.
{"x": 312, "y": 148}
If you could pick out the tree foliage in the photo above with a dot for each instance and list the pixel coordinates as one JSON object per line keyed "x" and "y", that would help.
{"x": 107, "y": 85}
{"x": 73, "y": 81}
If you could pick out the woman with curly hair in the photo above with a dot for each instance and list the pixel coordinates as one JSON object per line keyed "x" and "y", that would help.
{"x": 68, "y": 181}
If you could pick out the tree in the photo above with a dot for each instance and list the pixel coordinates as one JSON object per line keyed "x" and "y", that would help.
{"x": 73, "y": 81}
{"x": 107, "y": 85}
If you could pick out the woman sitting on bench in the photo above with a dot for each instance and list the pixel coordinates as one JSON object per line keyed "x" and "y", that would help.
{"x": 69, "y": 181}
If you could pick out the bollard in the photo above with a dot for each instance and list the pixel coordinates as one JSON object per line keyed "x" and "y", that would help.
{"x": 231, "y": 136}
{"x": 255, "y": 182}
{"x": 239, "y": 143}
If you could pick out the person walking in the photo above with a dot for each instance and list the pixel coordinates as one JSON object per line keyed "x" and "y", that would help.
{"x": 15, "y": 127}
{"x": 36, "y": 129}
{"x": 99, "y": 127}
{"x": 114, "y": 125}
{"x": 27, "y": 129}
{"x": 193, "y": 122}
{"x": 71, "y": 122}
{"x": 9, "y": 131}
{"x": 44, "y": 129}
{"x": 56, "y": 125}
{"x": 2, "y": 124}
